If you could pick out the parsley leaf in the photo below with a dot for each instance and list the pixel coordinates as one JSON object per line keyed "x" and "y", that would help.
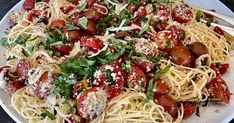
{"x": 82, "y": 7}
{"x": 80, "y": 67}
{"x": 163, "y": 1}
{"x": 209, "y": 21}
{"x": 159, "y": 73}
{"x": 144, "y": 29}
{"x": 71, "y": 26}
{"x": 150, "y": 90}
{"x": 168, "y": 42}
{"x": 199, "y": 15}
{"x": 83, "y": 22}
{"x": 46, "y": 113}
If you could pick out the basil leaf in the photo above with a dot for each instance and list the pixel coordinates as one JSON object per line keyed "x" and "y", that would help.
{"x": 163, "y": 1}
{"x": 144, "y": 29}
{"x": 151, "y": 90}
{"x": 83, "y": 22}
{"x": 71, "y": 26}
{"x": 168, "y": 42}
{"x": 82, "y": 6}
{"x": 209, "y": 21}
{"x": 215, "y": 99}
{"x": 4, "y": 42}
{"x": 159, "y": 73}
{"x": 46, "y": 113}
{"x": 199, "y": 15}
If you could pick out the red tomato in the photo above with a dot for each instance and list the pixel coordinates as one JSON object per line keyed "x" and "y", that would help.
{"x": 136, "y": 79}
{"x": 181, "y": 56}
{"x": 162, "y": 87}
{"x": 29, "y": 4}
{"x": 93, "y": 14}
{"x": 218, "y": 30}
{"x": 93, "y": 44}
{"x": 160, "y": 26}
{"x": 62, "y": 49}
{"x": 34, "y": 13}
{"x": 198, "y": 48}
{"x": 74, "y": 35}
{"x": 22, "y": 68}
{"x": 131, "y": 7}
{"x": 177, "y": 33}
{"x": 67, "y": 9}
{"x": 165, "y": 40}
{"x": 91, "y": 28}
{"x": 122, "y": 34}
{"x": 146, "y": 47}
{"x": 218, "y": 89}
{"x": 79, "y": 87}
{"x": 163, "y": 12}
{"x": 44, "y": 85}
{"x": 58, "y": 23}
{"x": 46, "y": 1}
{"x": 144, "y": 64}
{"x": 182, "y": 14}
{"x": 88, "y": 110}
{"x": 5, "y": 68}
{"x": 119, "y": 61}
{"x": 168, "y": 103}
{"x": 111, "y": 76}
{"x": 15, "y": 84}
{"x": 138, "y": 23}
{"x": 141, "y": 12}
{"x": 189, "y": 108}
{"x": 76, "y": 16}
{"x": 74, "y": 1}
{"x": 91, "y": 2}
{"x": 219, "y": 69}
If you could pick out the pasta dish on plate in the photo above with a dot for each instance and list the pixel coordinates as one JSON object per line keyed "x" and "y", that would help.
{"x": 113, "y": 61}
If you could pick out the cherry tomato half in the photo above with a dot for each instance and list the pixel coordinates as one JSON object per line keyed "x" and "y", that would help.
{"x": 182, "y": 14}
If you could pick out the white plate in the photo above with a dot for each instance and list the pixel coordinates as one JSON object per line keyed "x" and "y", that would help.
{"x": 208, "y": 116}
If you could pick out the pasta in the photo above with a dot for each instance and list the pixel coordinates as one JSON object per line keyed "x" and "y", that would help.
{"x": 113, "y": 61}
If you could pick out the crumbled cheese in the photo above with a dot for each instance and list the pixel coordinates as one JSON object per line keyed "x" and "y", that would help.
{"x": 94, "y": 103}
{"x": 3, "y": 82}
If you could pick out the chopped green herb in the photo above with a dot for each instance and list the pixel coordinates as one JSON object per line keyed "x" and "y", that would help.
{"x": 168, "y": 42}
{"x": 4, "y": 42}
{"x": 144, "y": 29}
{"x": 103, "y": 23}
{"x": 71, "y": 26}
{"x": 46, "y": 113}
{"x": 199, "y": 15}
{"x": 83, "y": 22}
{"x": 215, "y": 99}
{"x": 159, "y": 73}
{"x": 151, "y": 90}
{"x": 26, "y": 53}
{"x": 209, "y": 21}
{"x": 82, "y": 6}
{"x": 163, "y": 1}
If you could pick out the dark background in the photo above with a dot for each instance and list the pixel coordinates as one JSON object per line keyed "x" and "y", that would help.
{"x": 6, "y": 5}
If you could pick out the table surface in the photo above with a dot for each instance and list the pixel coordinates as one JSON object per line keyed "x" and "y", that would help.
{"x": 6, "y": 5}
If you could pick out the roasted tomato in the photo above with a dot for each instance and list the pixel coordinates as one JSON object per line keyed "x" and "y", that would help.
{"x": 44, "y": 85}
{"x": 122, "y": 34}
{"x": 144, "y": 64}
{"x": 168, "y": 103}
{"x": 198, "y": 48}
{"x": 119, "y": 61}
{"x": 136, "y": 79}
{"x": 181, "y": 56}
{"x": 131, "y": 7}
{"x": 91, "y": 2}
{"x": 162, "y": 87}
{"x": 76, "y": 16}
{"x": 67, "y": 9}
{"x": 218, "y": 30}
{"x": 92, "y": 102}
{"x": 177, "y": 33}
{"x": 146, "y": 47}
{"x": 141, "y": 12}
{"x": 58, "y": 23}
{"x": 62, "y": 49}
{"x": 159, "y": 25}
{"x": 74, "y": 35}
{"x": 189, "y": 108}
{"x": 80, "y": 87}
{"x": 111, "y": 76}
{"x": 165, "y": 40}
{"x": 218, "y": 90}
{"x": 74, "y": 1}
{"x": 91, "y": 27}
{"x": 163, "y": 12}
{"x": 93, "y": 44}
{"x": 36, "y": 14}
{"x": 96, "y": 12}
{"x": 9, "y": 82}
{"x": 182, "y": 14}
{"x": 29, "y": 4}
{"x": 22, "y": 68}
{"x": 219, "y": 69}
